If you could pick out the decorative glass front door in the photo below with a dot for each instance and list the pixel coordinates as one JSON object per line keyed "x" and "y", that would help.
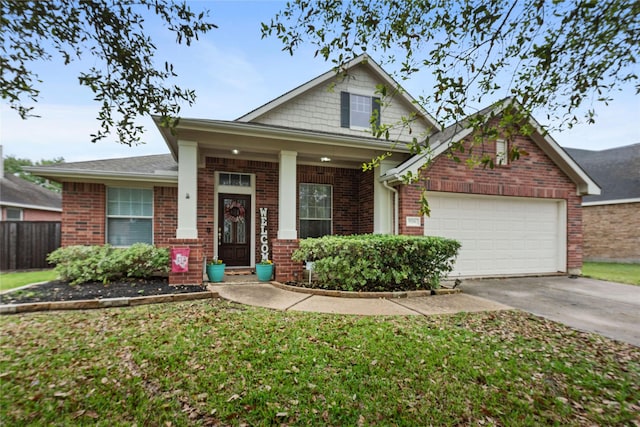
{"x": 234, "y": 229}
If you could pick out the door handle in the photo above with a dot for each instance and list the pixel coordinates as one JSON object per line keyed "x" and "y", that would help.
{"x": 219, "y": 236}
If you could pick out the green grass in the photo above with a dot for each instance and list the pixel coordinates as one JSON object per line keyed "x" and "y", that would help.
{"x": 215, "y": 363}
{"x": 15, "y": 280}
{"x": 621, "y": 273}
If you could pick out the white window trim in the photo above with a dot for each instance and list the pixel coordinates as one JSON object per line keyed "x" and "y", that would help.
{"x": 107, "y": 216}
{"x": 357, "y": 127}
{"x": 20, "y": 210}
{"x": 300, "y": 218}
{"x": 502, "y": 158}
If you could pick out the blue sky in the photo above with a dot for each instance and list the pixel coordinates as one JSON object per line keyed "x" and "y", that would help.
{"x": 232, "y": 71}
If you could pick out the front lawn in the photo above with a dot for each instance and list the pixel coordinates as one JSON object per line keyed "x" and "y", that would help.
{"x": 15, "y": 280}
{"x": 621, "y": 273}
{"x": 216, "y": 363}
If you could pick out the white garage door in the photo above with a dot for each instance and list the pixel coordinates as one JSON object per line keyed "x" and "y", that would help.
{"x": 501, "y": 235}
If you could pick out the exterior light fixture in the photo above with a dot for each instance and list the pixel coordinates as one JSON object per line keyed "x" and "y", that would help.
{"x": 235, "y": 151}
{"x": 325, "y": 159}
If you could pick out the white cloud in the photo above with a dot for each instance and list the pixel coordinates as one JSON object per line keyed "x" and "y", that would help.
{"x": 616, "y": 125}
{"x": 64, "y": 131}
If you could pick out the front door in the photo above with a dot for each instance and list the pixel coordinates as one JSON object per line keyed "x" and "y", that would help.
{"x": 234, "y": 229}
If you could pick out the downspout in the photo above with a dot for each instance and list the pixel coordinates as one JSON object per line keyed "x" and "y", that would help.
{"x": 395, "y": 206}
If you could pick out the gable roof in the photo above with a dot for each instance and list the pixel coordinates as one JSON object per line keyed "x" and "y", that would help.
{"x": 18, "y": 192}
{"x": 617, "y": 170}
{"x": 440, "y": 142}
{"x": 364, "y": 60}
{"x": 155, "y": 168}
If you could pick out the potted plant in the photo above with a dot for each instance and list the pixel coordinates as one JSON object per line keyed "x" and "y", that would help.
{"x": 264, "y": 270}
{"x": 215, "y": 270}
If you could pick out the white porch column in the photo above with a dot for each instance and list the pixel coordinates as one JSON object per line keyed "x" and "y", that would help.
{"x": 288, "y": 196}
{"x": 382, "y": 201}
{"x": 187, "y": 190}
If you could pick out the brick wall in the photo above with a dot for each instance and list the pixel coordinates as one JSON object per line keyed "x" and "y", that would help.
{"x": 534, "y": 175}
{"x": 286, "y": 269}
{"x": 39, "y": 215}
{"x": 165, "y": 215}
{"x": 346, "y": 195}
{"x": 83, "y": 214}
{"x": 196, "y": 265}
{"x": 365, "y": 199}
{"x": 612, "y": 232}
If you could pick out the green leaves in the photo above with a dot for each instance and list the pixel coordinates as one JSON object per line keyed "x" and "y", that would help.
{"x": 125, "y": 81}
{"x": 554, "y": 56}
{"x": 80, "y": 264}
{"x": 378, "y": 262}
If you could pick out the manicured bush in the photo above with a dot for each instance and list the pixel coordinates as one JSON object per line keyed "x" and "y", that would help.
{"x": 378, "y": 262}
{"x": 81, "y": 264}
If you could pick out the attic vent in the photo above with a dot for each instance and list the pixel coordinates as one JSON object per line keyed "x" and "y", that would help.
{"x": 235, "y": 179}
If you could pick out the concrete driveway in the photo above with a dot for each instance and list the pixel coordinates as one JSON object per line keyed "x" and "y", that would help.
{"x": 606, "y": 308}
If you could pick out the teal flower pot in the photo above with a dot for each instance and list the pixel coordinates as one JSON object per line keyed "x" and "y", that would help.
{"x": 264, "y": 272}
{"x": 215, "y": 272}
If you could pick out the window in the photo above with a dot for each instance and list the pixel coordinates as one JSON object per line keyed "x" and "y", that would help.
{"x": 235, "y": 179}
{"x": 501, "y": 152}
{"x": 315, "y": 210}
{"x": 356, "y": 110}
{"x": 14, "y": 214}
{"x": 129, "y": 216}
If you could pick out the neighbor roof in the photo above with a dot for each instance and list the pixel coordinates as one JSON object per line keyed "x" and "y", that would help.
{"x": 18, "y": 192}
{"x": 617, "y": 171}
{"x": 156, "y": 168}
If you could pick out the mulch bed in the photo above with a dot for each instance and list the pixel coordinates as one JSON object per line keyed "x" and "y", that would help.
{"x": 63, "y": 291}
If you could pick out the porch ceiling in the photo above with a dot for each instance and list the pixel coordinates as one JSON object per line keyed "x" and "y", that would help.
{"x": 264, "y": 143}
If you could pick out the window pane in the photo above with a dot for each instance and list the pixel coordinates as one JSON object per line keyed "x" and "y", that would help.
{"x": 130, "y": 213}
{"x": 235, "y": 179}
{"x": 314, "y": 228}
{"x": 127, "y": 231}
{"x": 14, "y": 214}
{"x": 360, "y": 110}
{"x": 315, "y": 210}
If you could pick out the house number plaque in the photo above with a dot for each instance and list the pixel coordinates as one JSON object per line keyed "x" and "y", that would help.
{"x": 264, "y": 238}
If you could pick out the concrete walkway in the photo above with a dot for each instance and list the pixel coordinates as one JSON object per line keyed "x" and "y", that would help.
{"x": 606, "y": 308}
{"x": 269, "y": 296}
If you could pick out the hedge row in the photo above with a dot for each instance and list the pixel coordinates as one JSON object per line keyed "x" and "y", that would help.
{"x": 81, "y": 264}
{"x": 378, "y": 262}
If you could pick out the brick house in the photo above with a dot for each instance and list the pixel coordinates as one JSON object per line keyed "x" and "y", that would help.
{"x": 21, "y": 200}
{"x": 250, "y": 188}
{"x": 612, "y": 219}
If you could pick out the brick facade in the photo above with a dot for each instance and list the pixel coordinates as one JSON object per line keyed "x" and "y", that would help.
{"x": 286, "y": 269}
{"x": 196, "y": 262}
{"x": 83, "y": 214}
{"x": 612, "y": 232}
{"x": 33, "y": 215}
{"x": 533, "y": 175}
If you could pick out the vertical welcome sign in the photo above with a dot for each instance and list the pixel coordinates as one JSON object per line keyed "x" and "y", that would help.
{"x": 264, "y": 238}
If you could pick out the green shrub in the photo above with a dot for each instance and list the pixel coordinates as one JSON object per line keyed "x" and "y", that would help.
{"x": 378, "y": 262}
{"x": 81, "y": 264}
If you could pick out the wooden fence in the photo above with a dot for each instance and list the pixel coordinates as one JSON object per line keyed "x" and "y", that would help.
{"x": 25, "y": 245}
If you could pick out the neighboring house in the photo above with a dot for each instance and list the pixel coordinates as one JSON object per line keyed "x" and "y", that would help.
{"x": 250, "y": 188}
{"x": 21, "y": 200}
{"x": 612, "y": 219}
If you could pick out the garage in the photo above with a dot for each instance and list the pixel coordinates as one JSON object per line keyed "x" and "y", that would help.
{"x": 501, "y": 235}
